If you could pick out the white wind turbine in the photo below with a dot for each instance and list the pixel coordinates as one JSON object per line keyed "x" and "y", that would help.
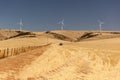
{"x": 62, "y": 24}
{"x": 21, "y": 24}
{"x": 100, "y": 25}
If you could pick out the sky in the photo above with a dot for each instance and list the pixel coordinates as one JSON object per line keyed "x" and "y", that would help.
{"x": 44, "y": 15}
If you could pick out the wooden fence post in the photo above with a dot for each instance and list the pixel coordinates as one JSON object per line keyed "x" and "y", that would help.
{"x": 4, "y": 52}
{"x": 7, "y": 51}
{"x": 11, "y": 51}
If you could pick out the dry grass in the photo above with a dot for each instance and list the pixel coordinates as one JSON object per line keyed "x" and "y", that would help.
{"x": 87, "y": 60}
{"x": 72, "y": 63}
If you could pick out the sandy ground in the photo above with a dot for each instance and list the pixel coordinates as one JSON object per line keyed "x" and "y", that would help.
{"x": 86, "y": 60}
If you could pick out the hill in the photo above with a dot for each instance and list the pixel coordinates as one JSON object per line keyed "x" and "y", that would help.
{"x": 55, "y": 62}
{"x": 76, "y": 36}
{"x": 63, "y": 55}
{"x": 8, "y": 34}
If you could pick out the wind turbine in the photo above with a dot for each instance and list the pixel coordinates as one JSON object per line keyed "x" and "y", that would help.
{"x": 62, "y": 24}
{"x": 100, "y": 25}
{"x": 21, "y": 24}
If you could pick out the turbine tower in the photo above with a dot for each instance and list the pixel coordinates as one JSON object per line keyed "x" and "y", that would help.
{"x": 100, "y": 26}
{"x": 62, "y": 24}
{"x": 21, "y": 24}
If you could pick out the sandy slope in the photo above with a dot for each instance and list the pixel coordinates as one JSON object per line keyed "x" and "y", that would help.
{"x": 86, "y": 60}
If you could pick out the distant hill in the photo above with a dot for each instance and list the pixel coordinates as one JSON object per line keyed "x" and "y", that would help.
{"x": 76, "y": 36}
{"x": 7, "y": 34}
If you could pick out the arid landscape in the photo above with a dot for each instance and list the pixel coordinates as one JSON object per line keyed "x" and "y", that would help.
{"x": 59, "y": 55}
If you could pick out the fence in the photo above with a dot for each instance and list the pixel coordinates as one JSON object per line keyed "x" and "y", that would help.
{"x": 14, "y": 51}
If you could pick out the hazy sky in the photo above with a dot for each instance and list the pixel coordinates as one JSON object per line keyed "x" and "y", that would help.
{"x": 40, "y": 15}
